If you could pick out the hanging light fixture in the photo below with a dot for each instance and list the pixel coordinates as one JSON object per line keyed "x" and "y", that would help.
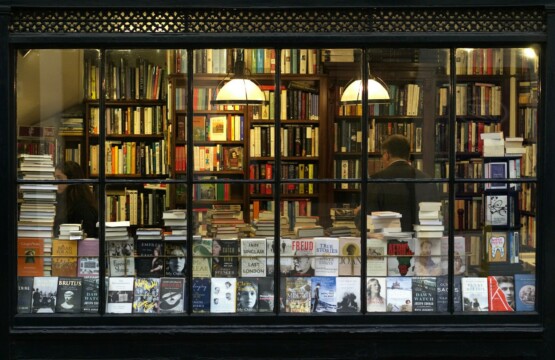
{"x": 377, "y": 91}
{"x": 240, "y": 90}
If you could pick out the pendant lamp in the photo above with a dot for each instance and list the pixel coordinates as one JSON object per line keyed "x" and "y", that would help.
{"x": 377, "y": 92}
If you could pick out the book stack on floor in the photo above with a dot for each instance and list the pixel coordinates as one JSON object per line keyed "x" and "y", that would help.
{"x": 175, "y": 223}
{"x": 36, "y": 215}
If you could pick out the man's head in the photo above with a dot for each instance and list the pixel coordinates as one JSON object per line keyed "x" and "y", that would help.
{"x": 68, "y": 296}
{"x": 426, "y": 248}
{"x": 506, "y": 285}
{"x": 301, "y": 263}
{"x": 395, "y": 147}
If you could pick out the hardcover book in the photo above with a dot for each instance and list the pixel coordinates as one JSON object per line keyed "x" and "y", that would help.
{"x": 30, "y": 260}
{"x": 247, "y": 295}
{"x": 172, "y": 295}
{"x": 24, "y": 294}
{"x": 303, "y": 257}
{"x": 497, "y": 246}
{"x": 233, "y": 158}
{"x": 474, "y": 293}
{"x": 525, "y": 291}
{"x": 496, "y": 210}
{"x": 323, "y": 294}
{"x": 326, "y": 261}
{"x": 350, "y": 260}
{"x": 201, "y": 295}
{"x": 427, "y": 260}
{"x": 501, "y": 293}
{"x": 376, "y": 259}
{"x": 442, "y": 293}
{"x": 175, "y": 261}
{"x": 64, "y": 257}
{"x": 400, "y": 260}
{"x": 266, "y": 294}
{"x": 459, "y": 243}
{"x": 424, "y": 294}
{"x": 69, "y": 298}
{"x": 120, "y": 257}
{"x": 202, "y": 257}
{"x": 223, "y": 295}
{"x": 376, "y": 292}
{"x": 225, "y": 258}
{"x": 146, "y": 296}
{"x": 217, "y": 128}
{"x": 347, "y": 294}
{"x": 149, "y": 261}
{"x": 91, "y": 298}
{"x": 253, "y": 257}
{"x": 399, "y": 294}
{"x": 87, "y": 251}
{"x": 44, "y": 294}
{"x": 298, "y": 295}
{"x": 119, "y": 297}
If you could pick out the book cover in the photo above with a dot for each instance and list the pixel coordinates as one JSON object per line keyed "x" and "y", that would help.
{"x": 427, "y": 259}
{"x": 233, "y": 158}
{"x": 424, "y": 294}
{"x": 266, "y": 294}
{"x": 399, "y": 294}
{"x": 525, "y": 291}
{"x": 253, "y": 257}
{"x": 496, "y": 170}
{"x": 24, "y": 294}
{"x": 91, "y": 298}
{"x": 172, "y": 295}
{"x": 376, "y": 259}
{"x": 376, "y": 292}
{"x": 217, "y": 128}
{"x": 501, "y": 293}
{"x": 120, "y": 257}
{"x": 146, "y": 296}
{"x": 400, "y": 257}
{"x": 175, "y": 261}
{"x": 64, "y": 257}
{"x": 223, "y": 295}
{"x": 286, "y": 256}
{"x": 323, "y": 297}
{"x": 347, "y": 294}
{"x": 119, "y": 297}
{"x": 350, "y": 260}
{"x": 247, "y": 295}
{"x": 326, "y": 261}
{"x": 298, "y": 295}
{"x": 496, "y": 210}
{"x": 303, "y": 257}
{"x": 44, "y": 294}
{"x": 149, "y": 261}
{"x": 199, "y": 128}
{"x": 30, "y": 261}
{"x": 225, "y": 258}
{"x": 474, "y": 293}
{"x": 497, "y": 246}
{"x": 459, "y": 243}
{"x": 69, "y": 295}
{"x": 442, "y": 293}
{"x": 270, "y": 260}
{"x": 201, "y": 295}
{"x": 202, "y": 257}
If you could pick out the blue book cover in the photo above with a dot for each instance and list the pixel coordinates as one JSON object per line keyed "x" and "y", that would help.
{"x": 323, "y": 294}
{"x": 525, "y": 292}
{"x": 201, "y": 295}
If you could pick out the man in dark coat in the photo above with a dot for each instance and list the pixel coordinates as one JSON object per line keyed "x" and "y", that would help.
{"x": 398, "y": 197}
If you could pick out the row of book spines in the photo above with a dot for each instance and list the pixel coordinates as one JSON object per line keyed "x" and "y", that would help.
{"x": 288, "y": 171}
{"x": 468, "y": 214}
{"x": 471, "y": 99}
{"x": 288, "y": 208}
{"x": 528, "y": 124}
{"x": 490, "y": 61}
{"x": 130, "y": 120}
{"x": 36, "y": 147}
{"x": 204, "y": 128}
{"x": 528, "y": 231}
{"x": 145, "y": 80}
{"x": 528, "y": 198}
{"x": 144, "y": 208}
{"x": 467, "y": 135}
{"x": 294, "y": 105}
{"x": 219, "y": 191}
{"x": 209, "y": 158}
{"x": 297, "y": 140}
{"x": 131, "y": 158}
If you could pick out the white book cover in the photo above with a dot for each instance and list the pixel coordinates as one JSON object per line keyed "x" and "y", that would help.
{"x": 427, "y": 260}
{"x": 350, "y": 260}
{"x": 253, "y": 257}
{"x": 223, "y": 295}
{"x": 376, "y": 257}
{"x": 120, "y": 295}
{"x": 327, "y": 256}
{"x": 459, "y": 255}
{"x": 347, "y": 294}
{"x": 496, "y": 210}
{"x": 376, "y": 291}
{"x": 399, "y": 294}
{"x": 474, "y": 293}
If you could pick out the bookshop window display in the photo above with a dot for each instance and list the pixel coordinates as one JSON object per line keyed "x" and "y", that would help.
{"x": 303, "y": 198}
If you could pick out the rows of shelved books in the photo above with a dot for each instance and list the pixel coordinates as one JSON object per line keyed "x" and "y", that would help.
{"x": 468, "y": 214}
{"x": 468, "y": 135}
{"x": 406, "y": 100}
{"x": 212, "y": 158}
{"x": 528, "y": 231}
{"x": 131, "y": 158}
{"x": 297, "y": 140}
{"x": 289, "y": 170}
{"x": 36, "y": 140}
{"x": 58, "y": 294}
{"x": 298, "y": 101}
{"x": 37, "y": 210}
{"x": 528, "y": 123}
{"x": 130, "y": 120}
{"x": 211, "y": 191}
{"x": 71, "y": 126}
{"x": 494, "y": 61}
{"x": 290, "y": 210}
{"x": 218, "y": 128}
{"x": 142, "y": 80}
{"x": 479, "y": 99}
{"x": 138, "y": 206}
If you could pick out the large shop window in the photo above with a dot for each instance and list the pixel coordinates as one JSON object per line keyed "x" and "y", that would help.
{"x": 310, "y": 192}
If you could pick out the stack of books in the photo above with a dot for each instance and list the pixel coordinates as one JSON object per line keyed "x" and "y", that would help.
{"x": 70, "y": 232}
{"x": 307, "y": 226}
{"x": 430, "y": 221}
{"x": 494, "y": 144}
{"x": 383, "y": 222}
{"x": 38, "y": 206}
{"x": 513, "y": 146}
{"x": 175, "y": 223}
{"x": 149, "y": 234}
{"x": 343, "y": 222}
{"x": 117, "y": 230}
{"x": 226, "y": 224}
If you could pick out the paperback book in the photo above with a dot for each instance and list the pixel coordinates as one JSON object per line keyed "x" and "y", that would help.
{"x": 324, "y": 294}
{"x": 119, "y": 298}
{"x": 201, "y": 295}
{"x": 146, "y": 296}
{"x": 172, "y": 295}
{"x": 347, "y": 294}
{"x": 69, "y": 295}
{"x": 399, "y": 294}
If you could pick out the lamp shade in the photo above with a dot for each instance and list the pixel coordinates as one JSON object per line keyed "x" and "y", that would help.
{"x": 240, "y": 91}
{"x": 377, "y": 92}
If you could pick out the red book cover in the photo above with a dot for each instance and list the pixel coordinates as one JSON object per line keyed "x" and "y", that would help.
{"x": 29, "y": 257}
{"x": 269, "y": 175}
{"x": 251, "y": 176}
{"x": 500, "y": 293}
